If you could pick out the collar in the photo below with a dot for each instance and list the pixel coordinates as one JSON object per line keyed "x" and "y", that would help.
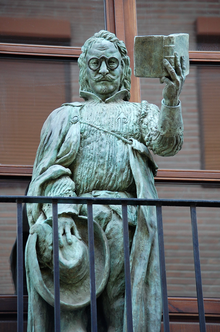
{"x": 118, "y": 96}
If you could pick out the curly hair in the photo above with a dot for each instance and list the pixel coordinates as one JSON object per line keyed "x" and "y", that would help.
{"x": 120, "y": 46}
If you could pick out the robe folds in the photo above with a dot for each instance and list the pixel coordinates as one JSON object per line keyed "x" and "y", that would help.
{"x": 58, "y": 149}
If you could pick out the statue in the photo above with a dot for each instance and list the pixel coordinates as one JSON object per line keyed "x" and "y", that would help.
{"x": 100, "y": 148}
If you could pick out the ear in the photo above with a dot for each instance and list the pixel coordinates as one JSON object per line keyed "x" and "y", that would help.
{"x": 122, "y": 74}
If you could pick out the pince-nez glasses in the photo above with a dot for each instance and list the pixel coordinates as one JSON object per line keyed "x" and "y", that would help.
{"x": 95, "y": 63}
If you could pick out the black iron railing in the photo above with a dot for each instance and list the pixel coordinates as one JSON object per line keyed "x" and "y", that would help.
{"x": 192, "y": 204}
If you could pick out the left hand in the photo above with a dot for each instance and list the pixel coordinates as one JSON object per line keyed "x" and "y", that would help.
{"x": 174, "y": 82}
{"x": 66, "y": 229}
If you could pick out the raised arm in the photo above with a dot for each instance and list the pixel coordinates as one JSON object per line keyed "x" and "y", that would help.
{"x": 163, "y": 130}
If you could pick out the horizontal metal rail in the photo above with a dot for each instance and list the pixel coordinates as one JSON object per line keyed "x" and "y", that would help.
{"x": 115, "y": 201}
{"x": 192, "y": 204}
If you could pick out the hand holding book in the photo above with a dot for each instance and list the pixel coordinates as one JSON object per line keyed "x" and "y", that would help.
{"x": 164, "y": 57}
{"x": 174, "y": 82}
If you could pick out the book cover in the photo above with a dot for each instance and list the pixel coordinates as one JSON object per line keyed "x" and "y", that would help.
{"x": 149, "y": 52}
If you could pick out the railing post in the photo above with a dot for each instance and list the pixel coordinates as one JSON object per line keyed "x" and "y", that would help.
{"x": 198, "y": 276}
{"x": 127, "y": 269}
{"x": 92, "y": 269}
{"x": 56, "y": 268}
{"x": 20, "y": 264}
{"x": 162, "y": 269}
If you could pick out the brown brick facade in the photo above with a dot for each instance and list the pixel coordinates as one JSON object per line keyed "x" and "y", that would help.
{"x": 165, "y": 17}
{"x": 154, "y": 17}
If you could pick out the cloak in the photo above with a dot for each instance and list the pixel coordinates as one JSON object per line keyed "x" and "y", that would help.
{"x": 60, "y": 141}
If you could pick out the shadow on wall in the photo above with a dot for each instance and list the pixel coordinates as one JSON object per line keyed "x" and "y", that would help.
{"x": 13, "y": 256}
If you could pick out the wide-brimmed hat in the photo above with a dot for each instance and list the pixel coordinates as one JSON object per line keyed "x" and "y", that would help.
{"x": 74, "y": 268}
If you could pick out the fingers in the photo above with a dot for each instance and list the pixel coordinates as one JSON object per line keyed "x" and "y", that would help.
{"x": 165, "y": 80}
{"x": 67, "y": 229}
{"x": 64, "y": 232}
{"x": 75, "y": 231}
{"x": 60, "y": 237}
{"x": 178, "y": 65}
{"x": 174, "y": 81}
{"x": 170, "y": 70}
{"x": 68, "y": 234}
{"x": 183, "y": 64}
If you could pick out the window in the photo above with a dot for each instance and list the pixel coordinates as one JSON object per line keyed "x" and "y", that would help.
{"x": 30, "y": 90}
{"x": 40, "y": 42}
{"x": 48, "y": 61}
{"x": 209, "y": 101}
{"x": 200, "y": 107}
{"x": 42, "y": 74}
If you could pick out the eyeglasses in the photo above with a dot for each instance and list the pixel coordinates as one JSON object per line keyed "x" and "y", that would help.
{"x": 95, "y": 63}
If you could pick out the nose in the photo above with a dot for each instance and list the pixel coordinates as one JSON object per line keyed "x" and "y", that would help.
{"x": 103, "y": 68}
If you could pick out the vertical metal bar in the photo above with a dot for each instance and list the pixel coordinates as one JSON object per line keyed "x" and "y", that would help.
{"x": 162, "y": 269}
{"x": 105, "y": 14}
{"x": 56, "y": 277}
{"x": 127, "y": 269}
{"x": 19, "y": 267}
{"x": 92, "y": 268}
{"x": 198, "y": 276}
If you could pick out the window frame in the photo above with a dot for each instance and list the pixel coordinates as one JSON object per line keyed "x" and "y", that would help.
{"x": 125, "y": 29}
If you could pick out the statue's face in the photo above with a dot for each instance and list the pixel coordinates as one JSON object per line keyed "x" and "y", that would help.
{"x": 104, "y": 69}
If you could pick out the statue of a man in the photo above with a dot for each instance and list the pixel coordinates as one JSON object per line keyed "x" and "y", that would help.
{"x": 100, "y": 148}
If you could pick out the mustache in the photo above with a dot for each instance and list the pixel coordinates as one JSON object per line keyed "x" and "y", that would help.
{"x": 107, "y": 77}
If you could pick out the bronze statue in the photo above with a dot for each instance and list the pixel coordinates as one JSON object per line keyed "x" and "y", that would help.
{"x": 100, "y": 148}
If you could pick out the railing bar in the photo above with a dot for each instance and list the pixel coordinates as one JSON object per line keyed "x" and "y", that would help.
{"x": 94, "y": 327}
{"x": 19, "y": 267}
{"x": 116, "y": 201}
{"x": 56, "y": 268}
{"x": 198, "y": 275}
{"x": 105, "y": 14}
{"x": 166, "y": 323}
{"x": 127, "y": 269}
{"x": 191, "y": 203}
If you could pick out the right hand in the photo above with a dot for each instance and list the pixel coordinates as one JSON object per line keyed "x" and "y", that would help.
{"x": 174, "y": 82}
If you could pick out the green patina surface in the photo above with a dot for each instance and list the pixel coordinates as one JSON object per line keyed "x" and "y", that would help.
{"x": 101, "y": 148}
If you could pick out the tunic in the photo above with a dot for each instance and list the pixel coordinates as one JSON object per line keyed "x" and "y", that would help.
{"x": 83, "y": 149}
{"x": 102, "y": 162}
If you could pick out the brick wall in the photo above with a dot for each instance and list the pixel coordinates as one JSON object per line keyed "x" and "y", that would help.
{"x": 178, "y": 240}
{"x": 8, "y": 213}
{"x": 177, "y": 237}
{"x": 165, "y": 17}
{"x": 86, "y": 16}
{"x": 156, "y": 17}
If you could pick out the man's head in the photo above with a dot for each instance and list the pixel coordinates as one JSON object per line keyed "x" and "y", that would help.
{"x": 104, "y": 65}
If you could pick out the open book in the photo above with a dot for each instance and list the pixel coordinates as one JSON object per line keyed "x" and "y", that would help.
{"x": 149, "y": 52}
